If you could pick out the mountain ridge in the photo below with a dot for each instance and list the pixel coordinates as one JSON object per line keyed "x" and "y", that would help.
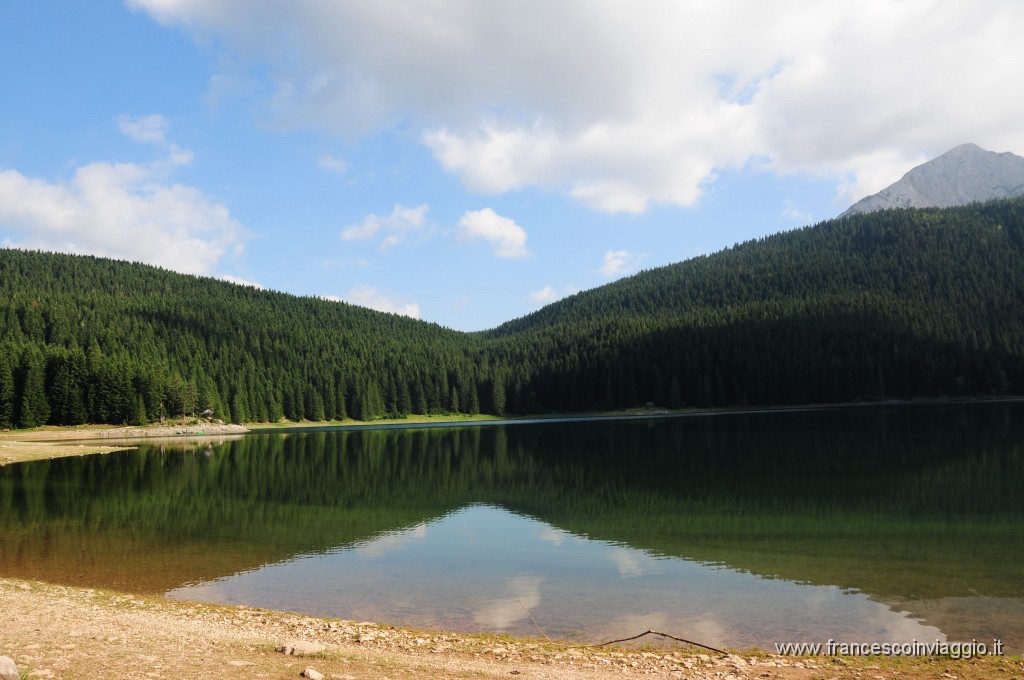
{"x": 964, "y": 174}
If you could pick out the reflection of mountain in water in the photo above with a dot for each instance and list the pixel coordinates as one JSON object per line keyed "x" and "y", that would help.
{"x": 906, "y": 505}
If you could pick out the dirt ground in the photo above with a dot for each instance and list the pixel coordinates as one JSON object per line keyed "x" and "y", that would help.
{"x": 18, "y": 451}
{"x": 61, "y": 632}
{"x": 58, "y": 442}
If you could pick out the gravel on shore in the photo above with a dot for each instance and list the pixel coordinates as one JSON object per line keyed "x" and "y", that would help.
{"x": 54, "y": 631}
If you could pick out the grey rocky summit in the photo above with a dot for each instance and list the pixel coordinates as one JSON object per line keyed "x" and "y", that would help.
{"x": 960, "y": 176}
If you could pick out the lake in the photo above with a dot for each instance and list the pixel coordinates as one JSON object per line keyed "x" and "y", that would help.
{"x": 880, "y": 524}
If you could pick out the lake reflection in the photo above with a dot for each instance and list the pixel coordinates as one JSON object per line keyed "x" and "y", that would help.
{"x": 864, "y": 525}
{"x": 482, "y": 567}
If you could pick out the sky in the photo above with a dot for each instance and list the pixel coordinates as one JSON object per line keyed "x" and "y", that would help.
{"x": 466, "y": 162}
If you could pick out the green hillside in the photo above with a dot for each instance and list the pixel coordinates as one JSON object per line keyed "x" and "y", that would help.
{"x": 890, "y": 304}
{"x": 899, "y": 303}
{"x": 98, "y": 340}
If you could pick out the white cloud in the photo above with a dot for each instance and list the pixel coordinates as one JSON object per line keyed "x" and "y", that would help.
{"x": 153, "y": 130}
{"x": 549, "y": 294}
{"x": 544, "y": 295}
{"x": 177, "y": 155}
{"x": 619, "y": 262}
{"x": 507, "y": 238}
{"x": 793, "y": 213}
{"x": 397, "y": 226}
{"x": 239, "y": 281}
{"x": 613, "y": 167}
{"x": 128, "y": 211}
{"x": 368, "y": 296}
{"x": 331, "y": 164}
{"x": 147, "y": 129}
{"x": 867, "y": 173}
{"x": 633, "y": 108}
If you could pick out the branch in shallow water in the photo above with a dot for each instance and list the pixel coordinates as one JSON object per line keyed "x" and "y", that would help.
{"x": 655, "y": 632}
{"x": 628, "y": 639}
{"x": 534, "y": 620}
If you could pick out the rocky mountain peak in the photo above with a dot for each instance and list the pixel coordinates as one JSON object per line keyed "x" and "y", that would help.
{"x": 964, "y": 174}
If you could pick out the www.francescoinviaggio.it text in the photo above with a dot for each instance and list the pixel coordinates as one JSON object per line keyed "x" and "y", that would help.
{"x": 954, "y": 650}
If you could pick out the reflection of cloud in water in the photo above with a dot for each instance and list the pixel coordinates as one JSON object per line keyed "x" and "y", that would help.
{"x": 390, "y": 542}
{"x": 627, "y": 562}
{"x": 502, "y": 613}
{"x": 553, "y": 536}
{"x": 704, "y": 628}
{"x": 473, "y": 567}
{"x": 879, "y": 619}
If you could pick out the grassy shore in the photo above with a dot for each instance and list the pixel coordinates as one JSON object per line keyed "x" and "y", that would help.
{"x": 62, "y": 632}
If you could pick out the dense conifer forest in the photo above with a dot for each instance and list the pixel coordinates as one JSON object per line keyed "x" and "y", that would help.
{"x": 894, "y": 304}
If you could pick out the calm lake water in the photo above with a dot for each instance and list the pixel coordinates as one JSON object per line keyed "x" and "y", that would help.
{"x": 875, "y": 524}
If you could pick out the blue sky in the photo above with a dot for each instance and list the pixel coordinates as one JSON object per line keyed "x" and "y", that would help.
{"x": 466, "y": 162}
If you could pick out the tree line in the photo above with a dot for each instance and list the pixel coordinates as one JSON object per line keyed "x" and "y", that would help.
{"x": 898, "y": 303}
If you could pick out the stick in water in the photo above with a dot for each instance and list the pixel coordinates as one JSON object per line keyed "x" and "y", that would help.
{"x": 628, "y": 639}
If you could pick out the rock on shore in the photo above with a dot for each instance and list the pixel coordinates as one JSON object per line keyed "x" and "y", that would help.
{"x": 8, "y": 670}
{"x": 169, "y": 431}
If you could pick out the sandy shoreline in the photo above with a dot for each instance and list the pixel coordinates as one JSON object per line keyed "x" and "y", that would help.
{"x": 59, "y": 442}
{"x": 56, "y": 631}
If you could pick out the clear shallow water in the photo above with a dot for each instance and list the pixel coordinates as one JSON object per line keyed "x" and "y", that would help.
{"x": 873, "y": 525}
{"x": 481, "y": 568}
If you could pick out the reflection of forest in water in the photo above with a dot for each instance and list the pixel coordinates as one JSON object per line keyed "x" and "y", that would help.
{"x": 905, "y": 504}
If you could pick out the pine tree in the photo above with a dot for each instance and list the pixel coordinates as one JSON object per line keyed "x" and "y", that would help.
{"x": 274, "y": 410}
{"x": 67, "y": 388}
{"x": 139, "y": 416}
{"x": 497, "y": 396}
{"x": 371, "y": 402}
{"x": 6, "y": 390}
{"x": 314, "y": 405}
{"x": 404, "y": 404}
{"x": 239, "y": 408}
{"x": 35, "y": 407}
{"x": 33, "y": 324}
{"x": 330, "y": 406}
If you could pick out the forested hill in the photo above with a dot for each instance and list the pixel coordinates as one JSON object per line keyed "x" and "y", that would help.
{"x": 899, "y": 303}
{"x": 100, "y": 340}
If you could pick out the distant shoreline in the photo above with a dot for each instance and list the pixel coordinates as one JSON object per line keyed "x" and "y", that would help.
{"x": 62, "y": 441}
{"x": 627, "y": 414}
